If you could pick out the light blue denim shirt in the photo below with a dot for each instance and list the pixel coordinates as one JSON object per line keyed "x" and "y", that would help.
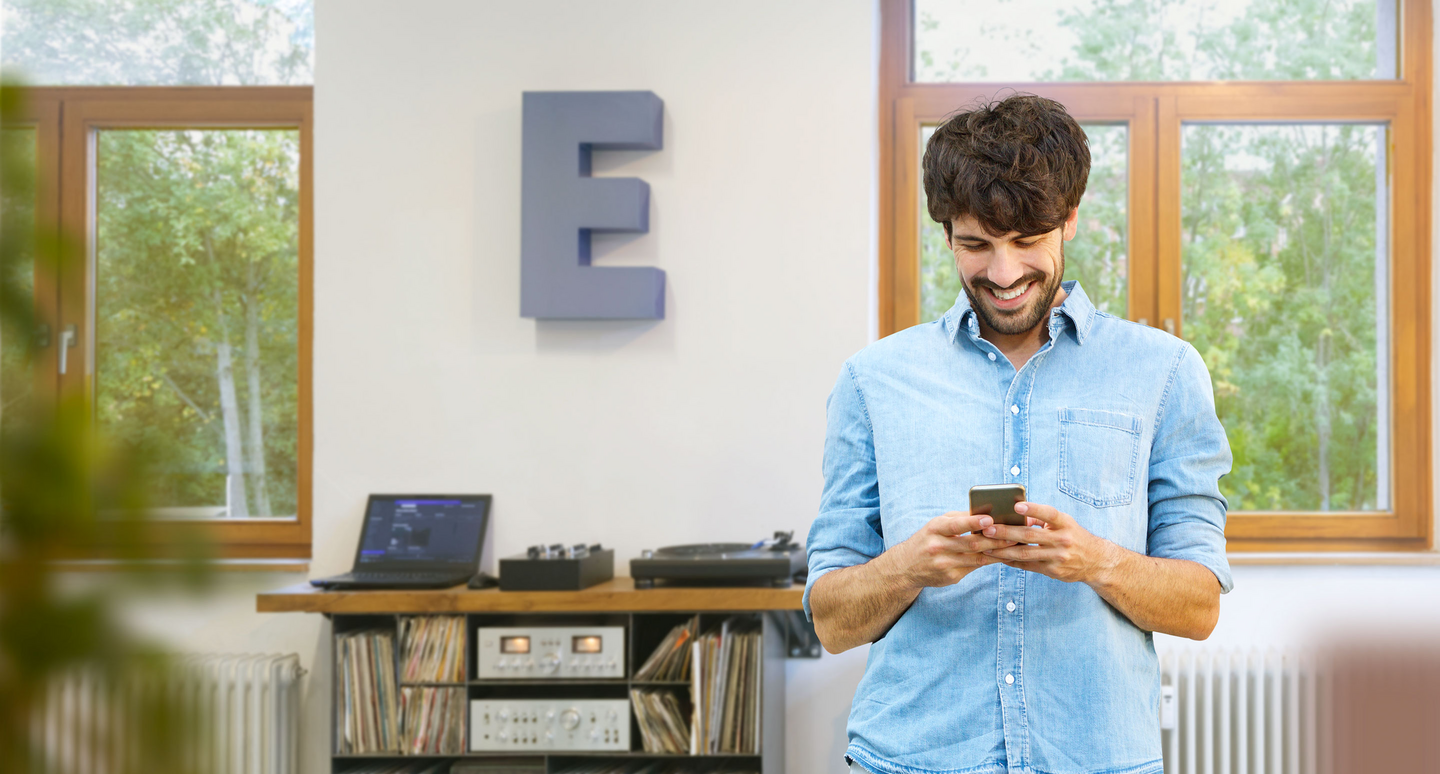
{"x": 1008, "y": 670}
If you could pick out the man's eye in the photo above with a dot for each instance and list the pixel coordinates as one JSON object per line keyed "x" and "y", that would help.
{"x": 1026, "y": 244}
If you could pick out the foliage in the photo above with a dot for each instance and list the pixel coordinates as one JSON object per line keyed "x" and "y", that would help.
{"x": 1280, "y": 241}
{"x": 159, "y": 42}
{"x": 198, "y": 232}
{"x": 1279, "y": 297}
{"x": 196, "y": 257}
{"x": 197, "y": 244}
{"x": 68, "y": 492}
{"x": 1018, "y": 41}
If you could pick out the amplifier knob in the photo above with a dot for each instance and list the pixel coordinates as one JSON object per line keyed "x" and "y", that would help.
{"x": 504, "y": 736}
{"x": 570, "y": 719}
{"x": 551, "y": 663}
{"x": 549, "y": 736}
{"x": 594, "y": 734}
{"x": 504, "y": 717}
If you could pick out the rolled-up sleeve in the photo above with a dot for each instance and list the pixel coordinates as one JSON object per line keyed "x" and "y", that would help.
{"x": 847, "y": 530}
{"x": 1189, "y": 455}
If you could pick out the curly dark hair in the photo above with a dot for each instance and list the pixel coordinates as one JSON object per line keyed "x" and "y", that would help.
{"x": 1019, "y": 164}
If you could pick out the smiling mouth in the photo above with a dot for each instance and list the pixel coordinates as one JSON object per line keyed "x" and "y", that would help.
{"x": 1012, "y": 293}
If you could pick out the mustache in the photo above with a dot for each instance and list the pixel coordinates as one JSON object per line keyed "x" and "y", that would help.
{"x": 1033, "y": 276}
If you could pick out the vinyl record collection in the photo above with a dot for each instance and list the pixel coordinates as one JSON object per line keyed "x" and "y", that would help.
{"x": 725, "y": 691}
{"x": 433, "y": 649}
{"x": 424, "y": 712}
{"x": 368, "y": 704}
{"x": 671, "y": 659}
{"x": 662, "y": 722}
{"x": 434, "y": 720}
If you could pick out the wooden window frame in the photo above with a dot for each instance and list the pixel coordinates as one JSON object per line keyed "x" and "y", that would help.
{"x": 67, "y": 120}
{"x": 1155, "y": 113}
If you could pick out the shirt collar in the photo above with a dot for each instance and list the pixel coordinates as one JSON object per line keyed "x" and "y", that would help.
{"x": 1076, "y": 307}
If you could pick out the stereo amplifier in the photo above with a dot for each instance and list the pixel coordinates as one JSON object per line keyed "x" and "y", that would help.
{"x": 550, "y": 652}
{"x": 550, "y": 724}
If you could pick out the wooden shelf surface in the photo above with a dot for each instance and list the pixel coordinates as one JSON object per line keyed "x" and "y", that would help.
{"x": 615, "y": 595}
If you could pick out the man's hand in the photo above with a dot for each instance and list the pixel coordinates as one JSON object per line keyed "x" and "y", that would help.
{"x": 1061, "y": 548}
{"x": 941, "y": 553}
{"x": 1174, "y": 596}
{"x": 857, "y": 605}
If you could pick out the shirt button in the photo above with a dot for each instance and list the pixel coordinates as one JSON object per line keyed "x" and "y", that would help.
{"x": 1010, "y": 607}
{"x": 992, "y": 355}
{"x": 1014, "y": 409}
{"x": 1009, "y": 679}
{"x": 1015, "y": 471}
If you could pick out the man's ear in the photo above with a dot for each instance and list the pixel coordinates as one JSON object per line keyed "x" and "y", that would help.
{"x": 1072, "y": 223}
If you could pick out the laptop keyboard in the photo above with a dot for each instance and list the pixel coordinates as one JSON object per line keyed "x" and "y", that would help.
{"x": 391, "y": 576}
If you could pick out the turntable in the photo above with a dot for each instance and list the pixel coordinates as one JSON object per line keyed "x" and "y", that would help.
{"x": 774, "y": 562}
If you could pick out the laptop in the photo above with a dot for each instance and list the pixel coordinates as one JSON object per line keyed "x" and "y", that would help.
{"x": 416, "y": 542}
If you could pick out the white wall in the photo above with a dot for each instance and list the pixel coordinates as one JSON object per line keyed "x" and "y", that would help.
{"x": 705, "y": 426}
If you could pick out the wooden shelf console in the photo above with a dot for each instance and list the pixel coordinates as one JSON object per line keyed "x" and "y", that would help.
{"x": 615, "y": 595}
{"x": 646, "y": 614}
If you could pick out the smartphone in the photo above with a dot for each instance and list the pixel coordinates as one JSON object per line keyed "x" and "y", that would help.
{"x": 998, "y": 501}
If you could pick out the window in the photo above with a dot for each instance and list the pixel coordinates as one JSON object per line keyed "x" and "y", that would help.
{"x": 1260, "y": 186}
{"x": 183, "y": 314}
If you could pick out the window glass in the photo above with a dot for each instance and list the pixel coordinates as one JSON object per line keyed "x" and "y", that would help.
{"x": 1153, "y": 40}
{"x": 159, "y": 42}
{"x": 1284, "y": 294}
{"x": 17, "y": 286}
{"x": 197, "y": 276}
{"x": 1097, "y": 257}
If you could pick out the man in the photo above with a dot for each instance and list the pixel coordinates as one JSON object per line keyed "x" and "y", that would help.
{"x": 1004, "y": 648}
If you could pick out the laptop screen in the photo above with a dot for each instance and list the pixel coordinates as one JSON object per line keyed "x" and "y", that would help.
{"x": 413, "y": 530}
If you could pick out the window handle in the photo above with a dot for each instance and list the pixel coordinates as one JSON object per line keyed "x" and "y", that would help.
{"x": 67, "y": 340}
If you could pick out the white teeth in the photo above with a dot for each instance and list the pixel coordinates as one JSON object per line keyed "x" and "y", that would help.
{"x": 1006, "y": 295}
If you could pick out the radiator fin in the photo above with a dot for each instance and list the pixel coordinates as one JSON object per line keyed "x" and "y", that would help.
{"x": 239, "y": 714}
{"x": 1244, "y": 712}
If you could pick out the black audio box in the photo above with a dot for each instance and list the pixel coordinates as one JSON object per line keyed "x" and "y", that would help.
{"x": 528, "y": 572}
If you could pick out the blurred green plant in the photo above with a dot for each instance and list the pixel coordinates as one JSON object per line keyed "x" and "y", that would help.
{"x": 67, "y": 493}
{"x": 196, "y": 265}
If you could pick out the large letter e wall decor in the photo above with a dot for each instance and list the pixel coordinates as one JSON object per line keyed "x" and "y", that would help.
{"x": 561, "y": 204}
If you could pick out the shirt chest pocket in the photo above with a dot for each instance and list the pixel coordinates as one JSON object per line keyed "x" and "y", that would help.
{"x": 1099, "y": 456}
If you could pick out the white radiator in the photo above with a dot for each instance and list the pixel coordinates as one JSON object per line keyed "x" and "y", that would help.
{"x": 1243, "y": 712}
{"x": 240, "y": 715}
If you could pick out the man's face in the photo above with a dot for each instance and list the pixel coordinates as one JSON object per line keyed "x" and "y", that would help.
{"x": 1011, "y": 280}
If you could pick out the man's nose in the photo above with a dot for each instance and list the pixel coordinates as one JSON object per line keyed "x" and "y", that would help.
{"x": 1005, "y": 268}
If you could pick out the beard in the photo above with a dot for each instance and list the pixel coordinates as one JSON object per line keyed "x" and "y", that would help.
{"x": 1015, "y": 321}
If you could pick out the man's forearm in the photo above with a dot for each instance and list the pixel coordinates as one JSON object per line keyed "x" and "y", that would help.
{"x": 1171, "y": 596}
{"x": 853, "y": 606}
{"x": 857, "y": 605}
